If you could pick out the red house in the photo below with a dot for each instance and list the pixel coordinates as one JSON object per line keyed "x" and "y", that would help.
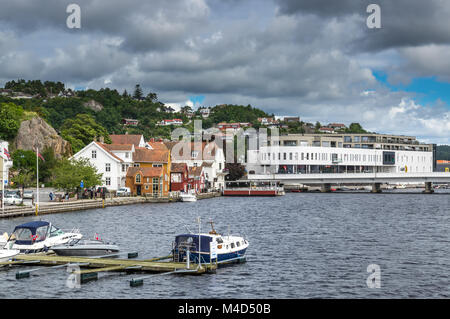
{"x": 179, "y": 177}
{"x": 197, "y": 178}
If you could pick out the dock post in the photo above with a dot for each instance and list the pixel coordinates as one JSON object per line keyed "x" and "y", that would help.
{"x": 376, "y": 188}
{"x": 429, "y": 188}
{"x": 326, "y": 188}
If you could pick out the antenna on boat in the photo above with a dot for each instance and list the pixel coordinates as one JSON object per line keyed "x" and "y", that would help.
{"x": 199, "y": 243}
{"x": 213, "y": 231}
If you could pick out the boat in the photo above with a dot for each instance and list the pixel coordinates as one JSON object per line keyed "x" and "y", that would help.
{"x": 214, "y": 248}
{"x": 253, "y": 188}
{"x": 86, "y": 248}
{"x": 8, "y": 254}
{"x": 188, "y": 197}
{"x": 38, "y": 236}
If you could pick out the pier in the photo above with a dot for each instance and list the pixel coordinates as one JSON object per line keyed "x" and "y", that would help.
{"x": 96, "y": 265}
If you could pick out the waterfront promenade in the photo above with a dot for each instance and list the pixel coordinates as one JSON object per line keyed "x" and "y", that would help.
{"x": 83, "y": 204}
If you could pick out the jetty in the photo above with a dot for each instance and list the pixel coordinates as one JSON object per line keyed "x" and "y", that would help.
{"x": 88, "y": 268}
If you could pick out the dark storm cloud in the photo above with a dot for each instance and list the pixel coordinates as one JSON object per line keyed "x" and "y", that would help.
{"x": 404, "y": 22}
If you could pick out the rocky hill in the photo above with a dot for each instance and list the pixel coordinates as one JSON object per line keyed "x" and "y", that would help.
{"x": 37, "y": 132}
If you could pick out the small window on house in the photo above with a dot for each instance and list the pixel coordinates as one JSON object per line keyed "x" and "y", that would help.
{"x": 138, "y": 178}
{"x": 108, "y": 181}
{"x": 94, "y": 154}
{"x": 108, "y": 167}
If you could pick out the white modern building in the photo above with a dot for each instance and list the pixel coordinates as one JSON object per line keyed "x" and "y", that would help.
{"x": 311, "y": 160}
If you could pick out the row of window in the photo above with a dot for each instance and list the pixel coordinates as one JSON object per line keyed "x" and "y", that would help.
{"x": 321, "y": 157}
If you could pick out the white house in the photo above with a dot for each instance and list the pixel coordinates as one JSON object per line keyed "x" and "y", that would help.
{"x": 107, "y": 163}
{"x": 5, "y": 163}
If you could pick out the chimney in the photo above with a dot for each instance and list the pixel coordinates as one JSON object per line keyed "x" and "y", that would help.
{"x": 101, "y": 139}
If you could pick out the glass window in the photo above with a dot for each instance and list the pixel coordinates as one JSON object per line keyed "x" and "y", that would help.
{"x": 94, "y": 154}
{"x": 138, "y": 178}
{"x": 108, "y": 181}
{"x": 347, "y": 139}
{"x": 108, "y": 167}
{"x": 23, "y": 234}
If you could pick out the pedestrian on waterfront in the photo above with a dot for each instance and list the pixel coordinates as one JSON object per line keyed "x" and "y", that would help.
{"x": 51, "y": 196}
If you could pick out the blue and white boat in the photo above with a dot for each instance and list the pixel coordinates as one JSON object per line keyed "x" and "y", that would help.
{"x": 210, "y": 247}
{"x": 38, "y": 236}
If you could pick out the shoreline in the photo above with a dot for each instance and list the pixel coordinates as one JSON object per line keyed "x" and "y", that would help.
{"x": 85, "y": 204}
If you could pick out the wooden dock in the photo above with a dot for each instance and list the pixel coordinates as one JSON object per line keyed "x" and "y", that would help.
{"x": 92, "y": 266}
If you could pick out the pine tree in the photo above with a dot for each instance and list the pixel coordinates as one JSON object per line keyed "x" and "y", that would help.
{"x": 137, "y": 92}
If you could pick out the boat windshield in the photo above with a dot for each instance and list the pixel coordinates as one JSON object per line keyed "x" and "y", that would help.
{"x": 55, "y": 231}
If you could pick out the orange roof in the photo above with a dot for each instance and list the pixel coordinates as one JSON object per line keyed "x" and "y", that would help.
{"x": 126, "y": 139}
{"x": 158, "y": 146}
{"x": 108, "y": 151}
{"x": 195, "y": 171}
{"x": 146, "y": 171}
{"x": 178, "y": 167}
{"x": 143, "y": 155}
{"x": 119, "y": 147}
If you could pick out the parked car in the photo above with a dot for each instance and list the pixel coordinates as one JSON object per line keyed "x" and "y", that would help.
{"x": 124, "y": 191}
{"x": 28, "y": 194}
{"x": 11, "y": 199}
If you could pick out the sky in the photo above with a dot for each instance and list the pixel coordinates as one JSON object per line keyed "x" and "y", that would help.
{"x": 316, "y": 59}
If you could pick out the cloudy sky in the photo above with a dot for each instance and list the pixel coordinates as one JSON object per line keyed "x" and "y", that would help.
{"x": 313, "y": 58}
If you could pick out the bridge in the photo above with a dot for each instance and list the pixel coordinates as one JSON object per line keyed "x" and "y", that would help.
{"x": 374, "y": 179}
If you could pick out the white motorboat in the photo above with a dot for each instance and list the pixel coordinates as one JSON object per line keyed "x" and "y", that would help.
{"x": 38, "y": 236}
{"x": 86, "y": 248}
{"x": 188, "y": 197}
{"x": 7, "y": 254}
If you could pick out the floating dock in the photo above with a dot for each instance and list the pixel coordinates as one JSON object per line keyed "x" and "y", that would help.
{"x": 90, "y": 267}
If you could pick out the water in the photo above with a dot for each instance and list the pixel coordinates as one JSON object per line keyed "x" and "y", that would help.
{"x": 301, "y": 246}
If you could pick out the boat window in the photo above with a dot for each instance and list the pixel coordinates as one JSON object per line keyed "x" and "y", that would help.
{"x": 238, "y": 244}
{"x": 22, "y": 234}
{"x": 55, "y": 231}
{"x": 232, "y": 245}
{"x": 219, "y": 240}
{"x": 41, "y": 232}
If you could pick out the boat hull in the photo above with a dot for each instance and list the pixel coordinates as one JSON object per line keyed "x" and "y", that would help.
{"x": 86, "y": 250}
{"x": 229, "y": 192}
{"x": 224, "y": 258}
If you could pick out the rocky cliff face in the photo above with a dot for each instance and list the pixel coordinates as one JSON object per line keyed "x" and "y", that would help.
{"x": 94, "y": 105}
{"x": 36, "y": 132}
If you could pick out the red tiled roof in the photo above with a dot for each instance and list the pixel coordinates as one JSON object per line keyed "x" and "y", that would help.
{"x": 146, "y": 171}
{"x": 119, "y": 147}
{"x": 126, "y": 139}
{"x": 178, "y": 167}
{"x": 108, "y": 151}
{"x": 143, "y": 155}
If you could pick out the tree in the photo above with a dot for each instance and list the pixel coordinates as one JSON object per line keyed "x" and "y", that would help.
{"x": 82, "y": 130}
{"x": 138, "y": 92}
{"x": 355, "y": 128}
{"x": 152, "y": 97}
{"x": 235, "y": 171}
{"x": 24, "y": 179}
{"x": 69, "y": 173}
{"x": 10, "y": 119}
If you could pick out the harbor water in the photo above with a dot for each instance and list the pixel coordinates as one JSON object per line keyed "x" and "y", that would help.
{"x": 302, "y": 245}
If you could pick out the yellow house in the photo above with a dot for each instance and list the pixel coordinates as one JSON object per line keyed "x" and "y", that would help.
{"x": 157, "y": 157}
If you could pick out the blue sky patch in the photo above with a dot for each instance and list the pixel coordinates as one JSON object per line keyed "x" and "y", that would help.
{"x": 428, "y": 90}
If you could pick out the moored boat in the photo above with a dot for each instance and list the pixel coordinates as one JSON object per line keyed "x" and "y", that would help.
{"x": 38, "y": 236}
{"x": 188, "y": 197}
{"x": 86, "y": 248}
{"x": 209, "y": 247}
{"x": 253, "y": 188}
